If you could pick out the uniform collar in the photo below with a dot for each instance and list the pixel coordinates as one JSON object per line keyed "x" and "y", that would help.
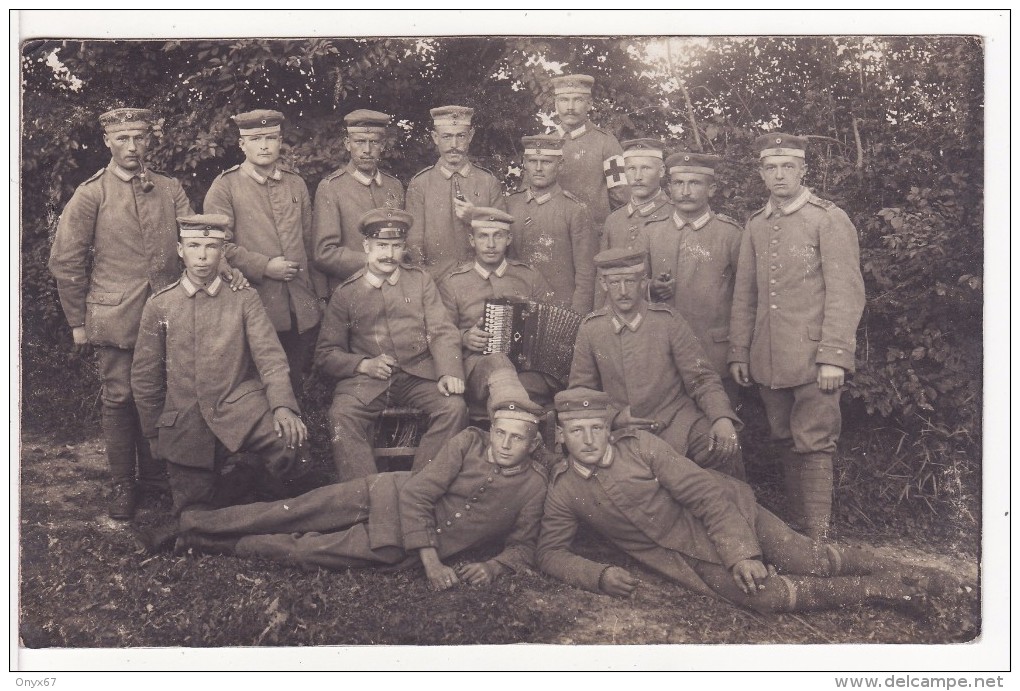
{"x": 619, "y": 323}
{"x": 573, "y": 134}
{"x": 447, "y": 173}
{"x": 697, "y": 224}
{"x": 790, "y": 207}
{"x": 485, "y": 273}
{"x": 124, "y": 175}
{"x": 504, "y": 470}
{"x": 540, "y": 199}
{"x": 259, "y": 177}
{"x": 376, "y": 282}
{"x": 365, "y": 179}
{"x": 190, "y": 289}
{"x": 657, "y": 200}
{"x": 586, "y": 471}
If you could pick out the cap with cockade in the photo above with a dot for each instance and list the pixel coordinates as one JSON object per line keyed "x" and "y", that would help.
{"x": 580, "y": 402}
{"x": 620, "y": 260}
{"x": 643, "y": 147}
{"x": 361, "y": 121}
{"x": 203, "y": 226}
{"x": 487, "y": 217}
{"x": 120, "y": 119}
{"x": 518, "y": 407}
{"x": 258, "y": 122}
{"x": 542, "y": 145}
{"x": 689, "y": 162}
{"x": 452, "y": 116}
{"x": 385, "y": 224}
{"x": 572, "y": 84}
{"x": 780, "y": 144}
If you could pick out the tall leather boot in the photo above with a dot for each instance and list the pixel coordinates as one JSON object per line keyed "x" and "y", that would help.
{"x": 151, "y": 470}
{"x": 816, "y": 488}
{"x": 119, "y": 435}
{"x": 813, "y": 593}
{"x": 791, "y": 464}
{"x": 845, "y": 561}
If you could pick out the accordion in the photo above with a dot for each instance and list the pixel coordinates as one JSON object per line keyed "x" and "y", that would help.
{"x": 536, "y": 337}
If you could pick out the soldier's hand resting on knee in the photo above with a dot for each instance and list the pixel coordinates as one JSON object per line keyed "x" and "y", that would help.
{"x": 750, "y": 575}
{"x": 450, "y": 385}
{"x": 289, "y": 426}
{"x": 724, "y": 443}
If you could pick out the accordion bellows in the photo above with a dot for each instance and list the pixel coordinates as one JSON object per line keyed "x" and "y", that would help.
{"x": 535, "y": 336}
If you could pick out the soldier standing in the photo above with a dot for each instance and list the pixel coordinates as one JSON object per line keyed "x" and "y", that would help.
{"x": 440, "y": 197}
{"x": 693, "y": 258}
{"x": 345, "y": 195}
{"x": 648, "y": 206}
{"x": 798, "y": 298}
{"x": 592, "y": 166}
{"x": 124, "y": 215}
{"x": 554, "y": 231}
{"x": 270, "y": 215}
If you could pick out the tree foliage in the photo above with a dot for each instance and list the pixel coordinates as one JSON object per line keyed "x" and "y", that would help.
{"x": 895, "y": 127}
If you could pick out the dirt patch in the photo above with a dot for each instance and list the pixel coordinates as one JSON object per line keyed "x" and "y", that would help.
{"x": 83, "y": 584}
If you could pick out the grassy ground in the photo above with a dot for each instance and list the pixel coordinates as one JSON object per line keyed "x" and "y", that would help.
{"x": 83, "y": 584}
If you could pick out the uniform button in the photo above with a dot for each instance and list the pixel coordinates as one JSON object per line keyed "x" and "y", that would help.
{"x": 775, "y": 255}
{"x": 775, "y": 227}
{"x": 475, "y": 498}
{"x": 773, "y": 293}
{"x": 772, "y": 281}
{"x": 467, "y": 507}
{"x": 439, "y": 530}
{"x": 482, "y": 489}
{"x": 457, "y": 515}
{"x": 449, "y": 523}
{"x": 839, "y": 352}
{"x": 775, "y": 242}
{"x": 775, "y": 307}
{"x": 773, "y": 267}
{"x": 488, "y": 480}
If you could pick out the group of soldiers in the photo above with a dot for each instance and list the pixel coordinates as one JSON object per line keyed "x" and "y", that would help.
{"x": 385, "y": 292}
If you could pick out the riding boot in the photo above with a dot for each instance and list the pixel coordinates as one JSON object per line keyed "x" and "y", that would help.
{"x": 151, "y": 470}
{"x": 816, "y": 492}
{"x": 813, "y": 593}
{"x": 791, "y": 464}
{"x": 119, "y": 434}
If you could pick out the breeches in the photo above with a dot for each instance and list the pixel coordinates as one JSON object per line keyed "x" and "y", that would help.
{"x": 804, "y": 414}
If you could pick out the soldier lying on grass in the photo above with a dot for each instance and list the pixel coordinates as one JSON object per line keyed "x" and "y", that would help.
{"x": 698, "y": 527}
{"x": 479, "y": 487}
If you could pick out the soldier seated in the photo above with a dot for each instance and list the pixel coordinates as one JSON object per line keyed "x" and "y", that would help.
{"x": 389, "y": 340}
{"x": 464, "y": 292}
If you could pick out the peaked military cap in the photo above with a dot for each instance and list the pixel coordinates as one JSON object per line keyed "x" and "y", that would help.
{"x": 452, "y": 115}
{"x": 572, "y": 84}
{"x": 620, "y": 260}
{"x": 385, "y": 224}
{"x": 689, "y": 162}
{"x": 258, "y": 121}
{"x": 780, "y": 144}
{"x": 542, "y": 145}
{"x": 488, "y": 217}
{"x": 518, "y": 407}
{"x": 643, "y": 147}
{"x": 362, "y": 120}
{"x": 203, "y": 225}
{"x": 581, "y": 402}
{"x": 120, "y": 119}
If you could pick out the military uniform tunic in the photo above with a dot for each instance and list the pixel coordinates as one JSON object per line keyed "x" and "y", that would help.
{"x": 701, "y": 256}
{"x": 654, "y": 504}
{"x": 271, "y": 217}
{"x": 585, "y": 151}
{"x": 438, "y": 239}
{"x": 130, "y": 238}
{"x": 628, "y": 225}
{"x": 208, "y": 366}
{"x": 553, "y": 233}
{"x": 459, "y": 501}
{"x": 654, "y": 365}
{"x": 799, "y": 293}
{"x": 341, "y": 199}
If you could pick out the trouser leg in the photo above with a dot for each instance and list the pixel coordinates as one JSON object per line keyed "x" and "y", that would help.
{"x": 298, "y": 348}
{"x": 348, "y": 548}
{"x": 324, "y": 509}
{"x": 351, "y": 428}
{"x": 815, "y": 424}
{"x": 119, "y": 417}
{"x": 447, "y": 415}
{"x": 191, "y": 488}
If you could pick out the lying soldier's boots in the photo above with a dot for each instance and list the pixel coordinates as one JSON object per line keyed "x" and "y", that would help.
{"x": 201, "y": 543}
{"x": 935, "y": 582}
{"x": 155, "y": 539}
